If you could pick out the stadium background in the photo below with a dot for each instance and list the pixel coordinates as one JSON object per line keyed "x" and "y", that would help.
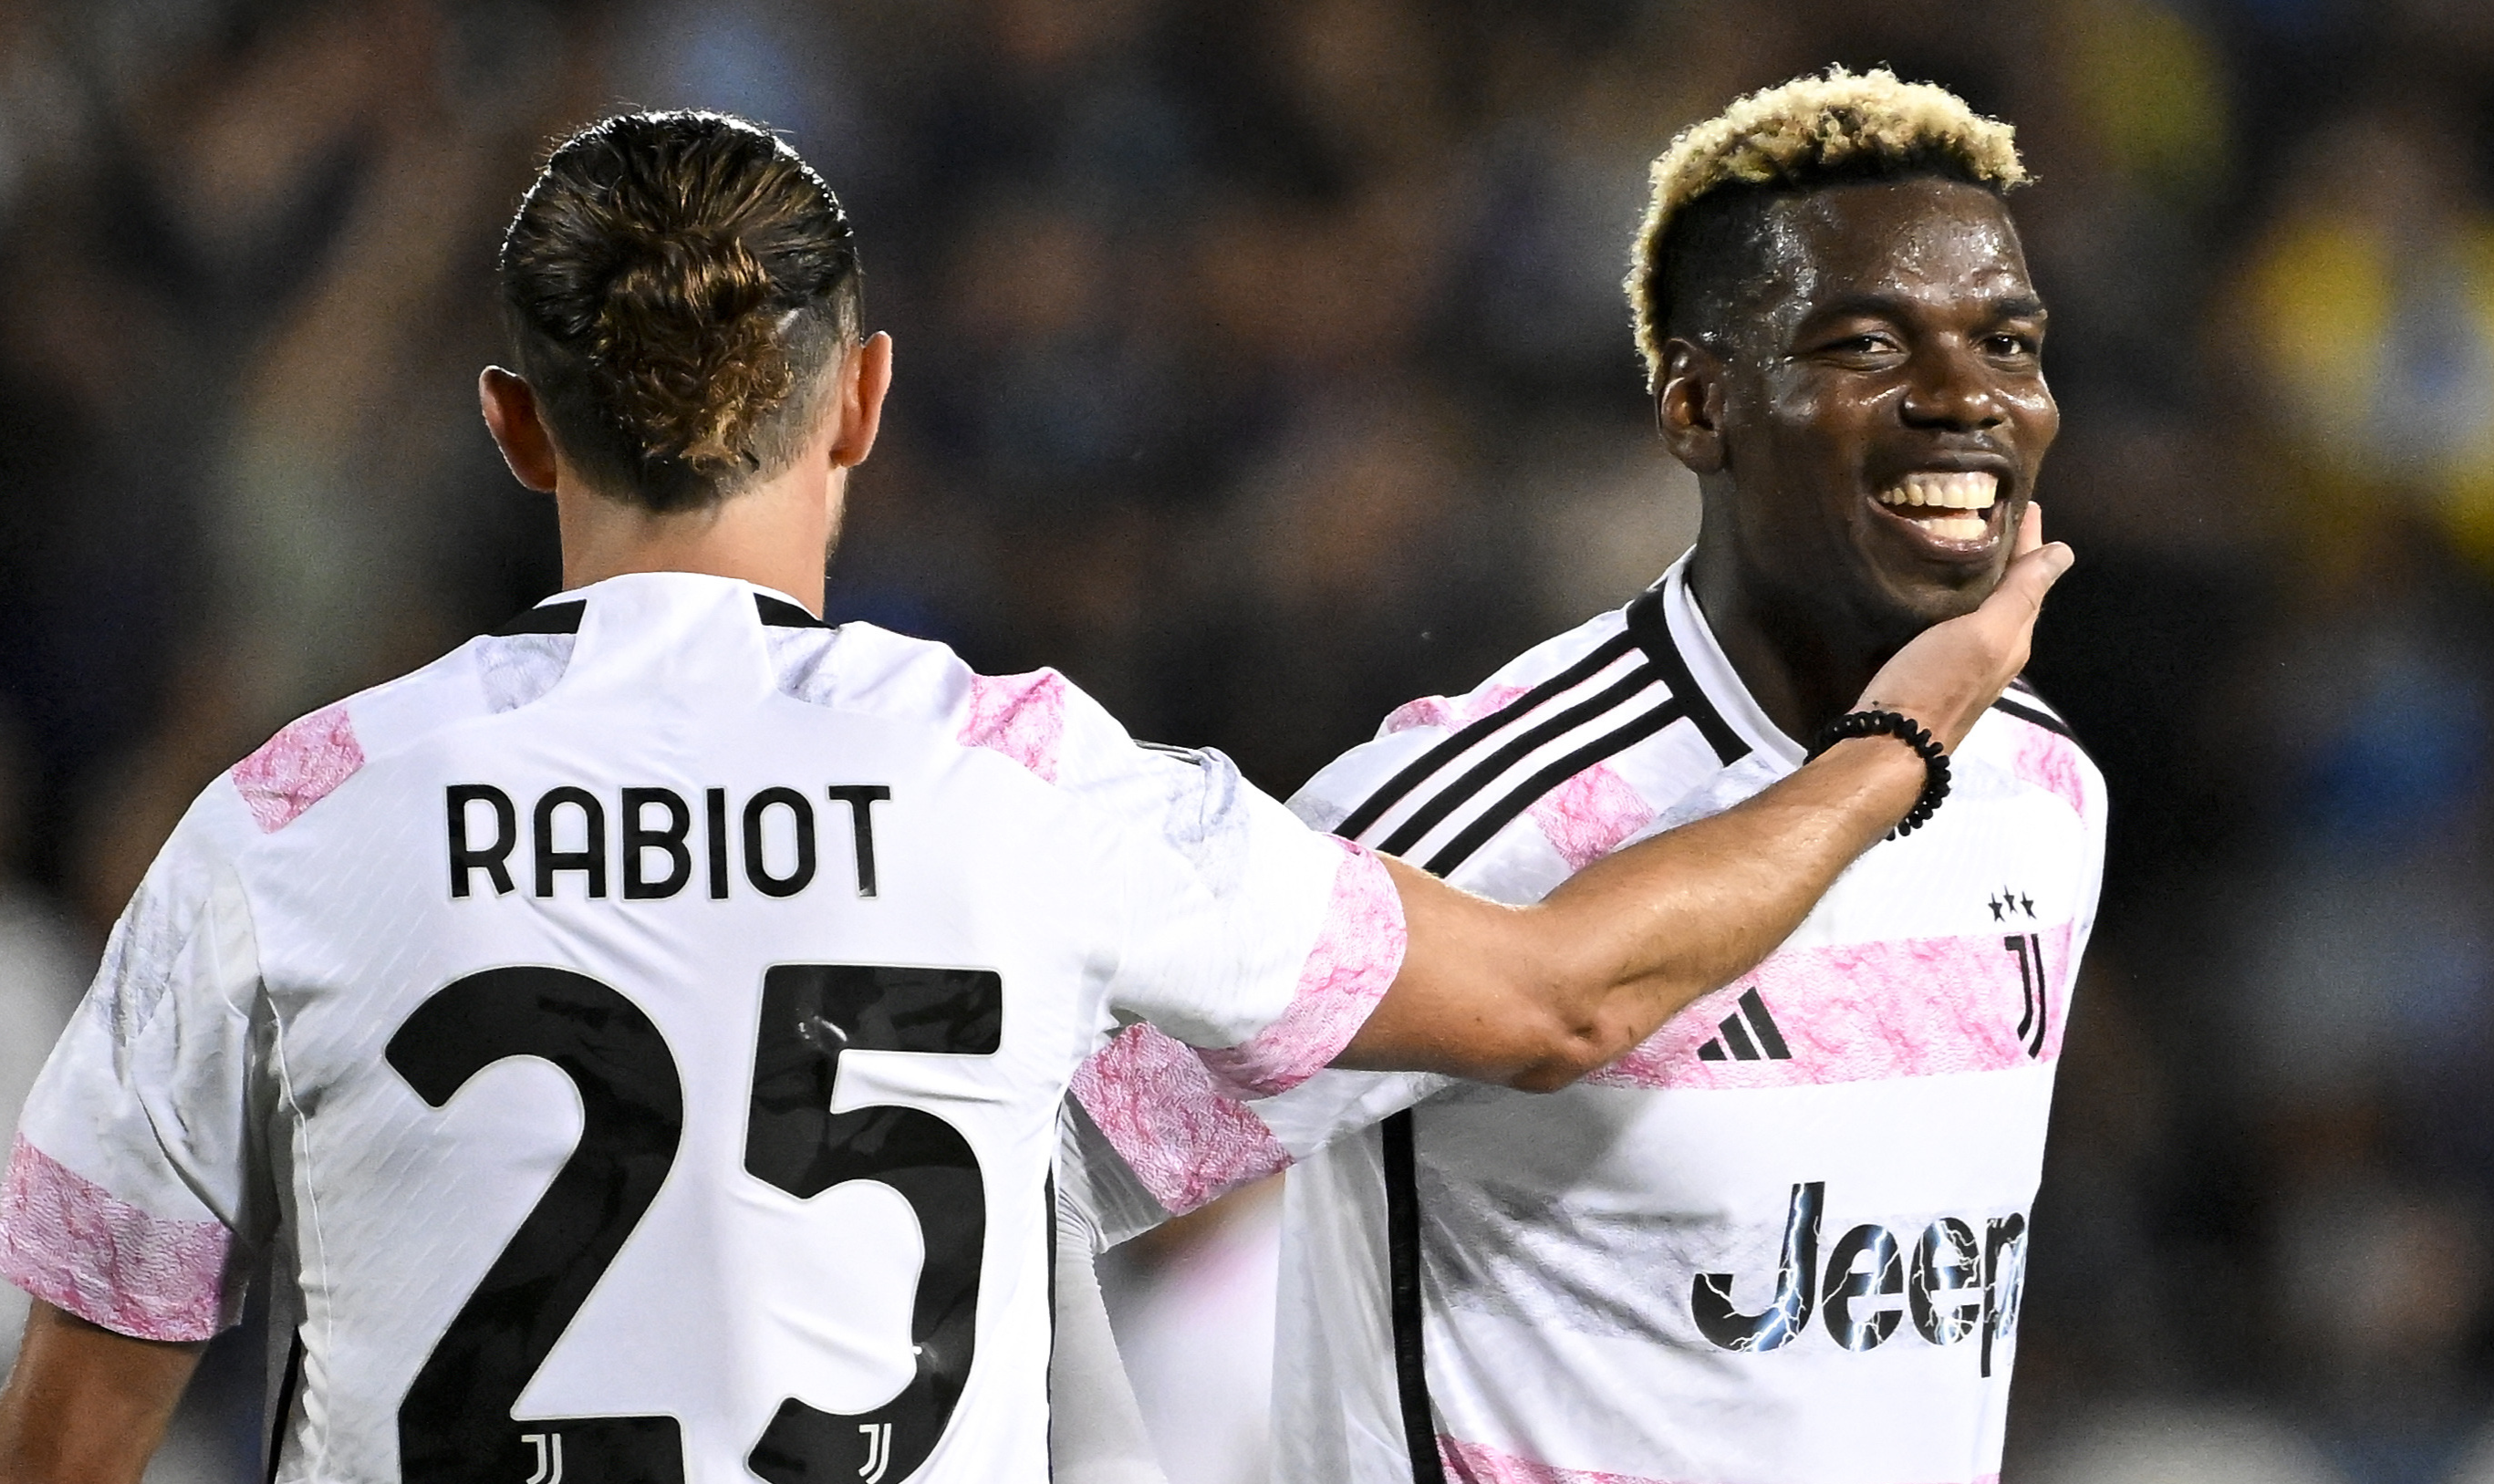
{"x": 1262, "y": 364}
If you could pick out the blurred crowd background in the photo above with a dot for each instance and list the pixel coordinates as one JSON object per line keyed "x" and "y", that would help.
{"x": 1262, "y": 364}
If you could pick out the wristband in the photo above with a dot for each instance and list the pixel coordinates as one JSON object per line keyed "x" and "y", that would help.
{"x": 1935, "y": 763}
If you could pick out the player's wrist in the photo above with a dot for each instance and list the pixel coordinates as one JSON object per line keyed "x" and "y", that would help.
{"x": 1871, "y": 724}
{"x": 1872, "y": 780}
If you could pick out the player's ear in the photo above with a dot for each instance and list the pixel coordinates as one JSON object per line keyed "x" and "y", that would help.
{"x": 511, "y": 406}
{"x": 860, "y": 403}
{"x": 1688, "y": 404}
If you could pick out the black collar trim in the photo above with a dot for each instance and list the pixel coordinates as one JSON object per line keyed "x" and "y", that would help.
{"x": 779, "y": 613}
{"x": 565, "y": 617}
{"x": 546, "y": 618}
{"x": 1650, "y": 629}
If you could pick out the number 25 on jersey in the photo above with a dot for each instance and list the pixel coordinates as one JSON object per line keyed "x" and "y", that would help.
{"x": 455, "y": 1425}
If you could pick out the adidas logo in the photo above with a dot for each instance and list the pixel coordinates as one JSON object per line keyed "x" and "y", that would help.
{"x": 1750, "y": 1034}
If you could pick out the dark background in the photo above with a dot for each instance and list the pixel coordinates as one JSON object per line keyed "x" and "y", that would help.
{"x": 1262, "y": 364}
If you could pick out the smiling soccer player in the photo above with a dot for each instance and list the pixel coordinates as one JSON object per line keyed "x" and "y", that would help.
{"x": 1785, "y": 1237}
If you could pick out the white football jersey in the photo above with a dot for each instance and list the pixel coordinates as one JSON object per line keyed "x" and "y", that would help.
{"x": 642, "y": 1034}
{"x": 1783, "y": 1239}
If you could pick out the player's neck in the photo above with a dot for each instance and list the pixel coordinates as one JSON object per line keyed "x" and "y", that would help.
{"x": 1802, "y": 665}
{"x": 775, "y": 534}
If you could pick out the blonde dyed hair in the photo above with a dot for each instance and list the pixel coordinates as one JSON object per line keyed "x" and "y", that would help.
{"x": 1820, "y": 129}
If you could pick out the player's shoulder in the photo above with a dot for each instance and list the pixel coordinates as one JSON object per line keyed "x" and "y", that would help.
{"x": 311, "y": 757}
{"x": 2027, "y": 737}
{"x": 1589, "y": 693}
{"x": 1038, "y": 719}
{"x": 1552, "y": 658}
{"x": 308, "y": 758}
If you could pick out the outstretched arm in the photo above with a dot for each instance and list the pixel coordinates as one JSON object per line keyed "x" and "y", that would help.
{"x": 84, "y": 1405}
{"x": 1537, "y": 996}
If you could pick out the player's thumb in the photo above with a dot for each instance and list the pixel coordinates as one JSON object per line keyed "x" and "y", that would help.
{"x": 2030, "y": 575}
{"x": 2020, "y": 597}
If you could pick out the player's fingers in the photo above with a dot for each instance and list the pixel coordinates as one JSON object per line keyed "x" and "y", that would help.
{"x": 2030, "y": 532}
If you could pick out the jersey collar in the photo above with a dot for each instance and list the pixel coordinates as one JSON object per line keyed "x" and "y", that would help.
{"x": 561, "y": 614}
{"x": 1716, "y": 683}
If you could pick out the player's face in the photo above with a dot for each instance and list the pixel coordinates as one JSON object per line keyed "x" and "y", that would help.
{"x": 1885, "y": 413}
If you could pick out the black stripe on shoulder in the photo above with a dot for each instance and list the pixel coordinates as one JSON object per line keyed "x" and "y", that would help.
{"x": 1651, "y": 631}
{"x": 779, "y": 613}
{"x": 546, "y": 618}
{"x": 2022, "y": 689}
{"x": 1515, "y": 750}
{"x": 2034, "y": 716}
{"x": 2027, "y": 704}
{"x": 1397, "y": 787}
{"x": 2033, "y": 710}
{"x": 1521, "y": 797}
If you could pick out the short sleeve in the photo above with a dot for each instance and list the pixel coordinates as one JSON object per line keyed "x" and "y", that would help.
{"x": 133, "y": 1169}
{"x": 1243, "y": 932}
{"x": 1251, "y": 937}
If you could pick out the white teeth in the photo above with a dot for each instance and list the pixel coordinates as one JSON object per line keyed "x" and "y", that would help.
{"x": 1957, "y": 528}
{"x": 1970, "y": 491}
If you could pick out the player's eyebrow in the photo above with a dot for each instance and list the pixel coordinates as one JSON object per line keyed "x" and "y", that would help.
{"x": 1881, "y": 306}
{"x": 1857, "y": 306}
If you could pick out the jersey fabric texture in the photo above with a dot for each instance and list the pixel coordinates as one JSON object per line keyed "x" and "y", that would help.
{"x": 639, "y": 1036}
{"x": 1783, "y": 1239}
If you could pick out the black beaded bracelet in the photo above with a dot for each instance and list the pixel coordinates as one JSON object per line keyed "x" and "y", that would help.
{"x": 1935, "y": 763}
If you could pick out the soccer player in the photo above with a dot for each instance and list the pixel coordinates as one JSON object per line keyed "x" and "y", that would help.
{"x": 637, "y": 1037}
{"x": 1782, "y": 1238}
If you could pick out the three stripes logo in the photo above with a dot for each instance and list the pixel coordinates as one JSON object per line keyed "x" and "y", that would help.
{"x": 2034, "y": 1003}
{"x": 1749, "y": 1034}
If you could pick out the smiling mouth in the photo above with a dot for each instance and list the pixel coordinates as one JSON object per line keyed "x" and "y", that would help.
{"x": 1954, "y": 508}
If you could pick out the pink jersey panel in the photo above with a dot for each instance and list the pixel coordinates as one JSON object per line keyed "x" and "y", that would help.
{"x": 1184, "y": 1139}
{"x": 1356, "y": 956}
{"x": 2051, "y": 762}
{"x": 298, "y": 766}
{"x": 1866, "y": 1011}
{"x": 1474, "y": 1463}
{"x": 1585, "y": 818}
{"x": 1451, "y": 712}
{"x": 1019, "y": 715}
{"x": 67, "y": 1241}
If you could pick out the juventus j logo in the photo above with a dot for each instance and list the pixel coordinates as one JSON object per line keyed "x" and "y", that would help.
{"x": 549, "y": 1446}
{"x": 2031, "y": 991}
{"x": 878, "y": 1450}
{"x": 1750, "y": 1032}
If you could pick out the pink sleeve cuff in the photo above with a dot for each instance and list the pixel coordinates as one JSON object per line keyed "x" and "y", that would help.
{"x": 1181, "y": 1136}
{"x": 69, "y": 1242}
{"x": 1357, "y": 953}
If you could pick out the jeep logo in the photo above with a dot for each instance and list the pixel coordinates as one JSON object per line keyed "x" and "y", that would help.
{"x": 1952, "y": 1284}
